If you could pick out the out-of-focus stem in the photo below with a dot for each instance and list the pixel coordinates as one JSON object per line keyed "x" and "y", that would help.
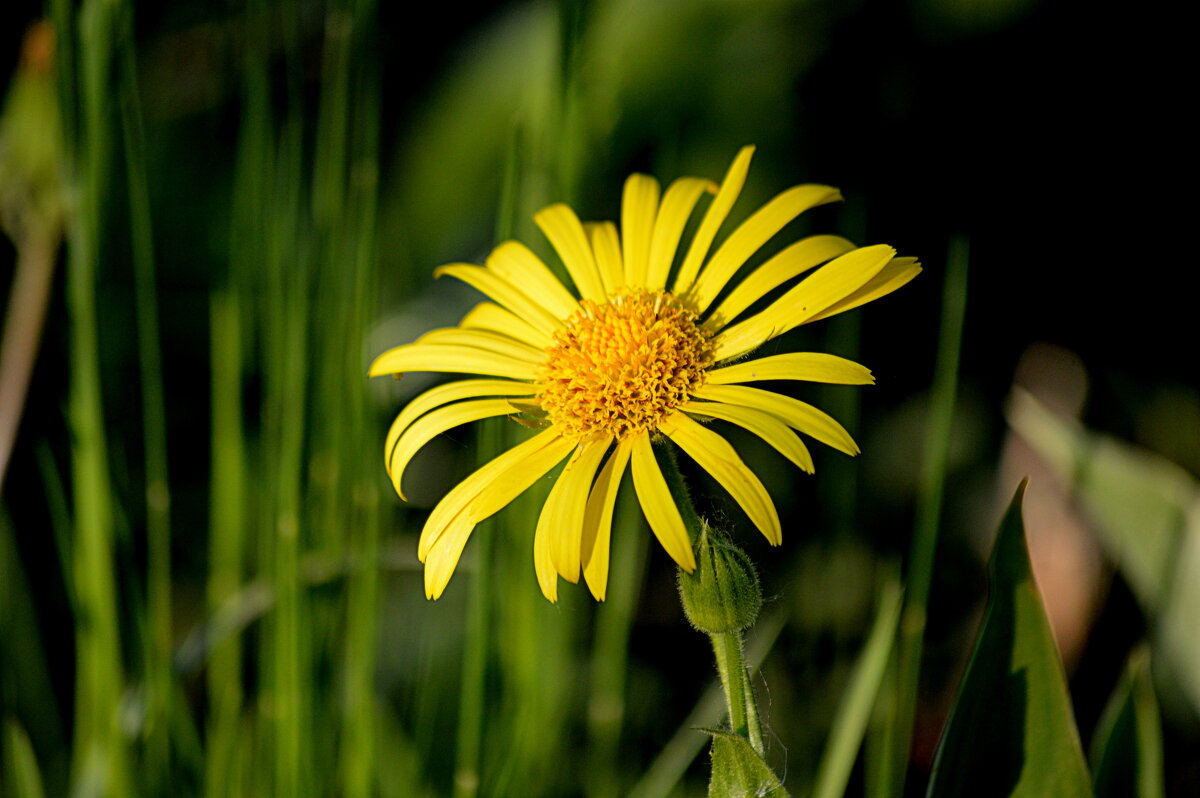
{"x": 154, "y": 425}
{"x": 898, "y": 735}
{"x": 23, "y": 323}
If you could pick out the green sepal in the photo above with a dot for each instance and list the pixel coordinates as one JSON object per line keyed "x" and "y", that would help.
{"x": 723, "y": 594}
{"x": 738, "y": 771}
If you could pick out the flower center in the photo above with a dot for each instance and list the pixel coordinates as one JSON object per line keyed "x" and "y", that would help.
{"x": 621, "y": 367}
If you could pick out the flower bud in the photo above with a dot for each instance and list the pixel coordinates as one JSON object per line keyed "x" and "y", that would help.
{"x": 723, "y": 594}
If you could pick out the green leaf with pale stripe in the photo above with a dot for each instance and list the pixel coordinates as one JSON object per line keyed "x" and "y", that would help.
{"x": 1012, "y": 732}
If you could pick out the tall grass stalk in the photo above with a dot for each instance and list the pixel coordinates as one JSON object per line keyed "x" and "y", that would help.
{"x": 226, "y": 542}
{"x": 271, "y": 174}
{"x": 610, "y": 649}
{"x": 361, "y": 723}
{"x": 888, "y": 774}
{"x": 100, "y": 756}
{"x": 476, "y": 637}
{"x": 360, "y": 718}
{"x": 854, "y": 709}
{"x": 492, "y": 441}
{"x": 157, "y": 648}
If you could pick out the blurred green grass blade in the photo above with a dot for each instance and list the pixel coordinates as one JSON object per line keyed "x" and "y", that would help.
{"x": 22, "y": 778}
{"x": 472, "y": 694}
{"x": 1127, "y": 748}
{"x": 896, "y": 738}
{"x": 854, "y": 711}
{"x": 839, "y": 481}
{"x": 226, "y": 539}
{"x": 539, "y": 662}
{"x": 1012, "y": 731}
{"x": 492, "y": 440}
{"x": 22, "y": 652}
{"x": 610, "y": 648}
{"x": 1147, "y": 512}
{"x": 156, "y": 765}
{"x": 100, "y": 751}
{"x": 360, "y": 740}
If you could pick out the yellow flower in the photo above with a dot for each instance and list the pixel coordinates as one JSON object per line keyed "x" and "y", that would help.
{"x": 626, "y": 360}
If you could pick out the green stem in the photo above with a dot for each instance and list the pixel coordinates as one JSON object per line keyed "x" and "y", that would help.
{"x": 739, "y": 693}
{"x": 101, "y": 762}
{"x": 731, "y": 661}
{"x": 898, "y": 735}
{"x": 226, "y": 539}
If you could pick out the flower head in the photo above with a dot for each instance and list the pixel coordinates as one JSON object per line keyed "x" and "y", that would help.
{"x": 641, "y": 350}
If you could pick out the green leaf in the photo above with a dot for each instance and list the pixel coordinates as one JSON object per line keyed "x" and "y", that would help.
{"x": 1011, "y": 732}
{"x": 738, "y": 771}
{"x": 22, "y": 779}
{"x": 1146, "y": 510}
{"x": 1127, "y": 756}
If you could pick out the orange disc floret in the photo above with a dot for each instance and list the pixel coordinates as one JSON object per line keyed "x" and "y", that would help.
{"x": 621, "y": 367}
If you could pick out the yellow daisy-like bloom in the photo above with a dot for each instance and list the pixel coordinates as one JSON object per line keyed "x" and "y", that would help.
{"x": 628, "y": 360}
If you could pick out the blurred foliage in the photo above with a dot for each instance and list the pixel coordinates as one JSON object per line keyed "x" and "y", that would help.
{"x": 1147, "y": 511}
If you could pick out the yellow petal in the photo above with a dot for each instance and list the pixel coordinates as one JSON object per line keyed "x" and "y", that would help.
{"x": 443, "y": 542}
{"x": 466, "y": 491}
{"x": 597, "y": 521}
{"x": 731, "y": 186}
{"x": 796, "y": 414}
{"x": 565, "y": 232}
{"x": 444, "y": 394}
{"x": 831, "y": 283}
{"x": 807, "y": 366}
{"x": 451, "y": 359}
{"x": 504, "y": 292}
{"x": 443, "y": 559}
{"x": 484, "y": 339}
{"x": 658, "y": 504}
{"x": 434, "y": 423}
{"x": 543, "y": 566}
{"x": 749, "y": 237}
{"x": 791, "y": 262}
{"x": 490, "y": 316}
{"x": 896, "y": 274}
{"x": 639, "y": 207}
{"x": 717, "y": 457}
{"x": 517, "y": 264}
{"x": 677, "y": 206}
{"x": 499, "y": 492}
{"x": 562, "y": 514}
{"x": 606, "y": 246}
{"x": 764, "y": 425}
